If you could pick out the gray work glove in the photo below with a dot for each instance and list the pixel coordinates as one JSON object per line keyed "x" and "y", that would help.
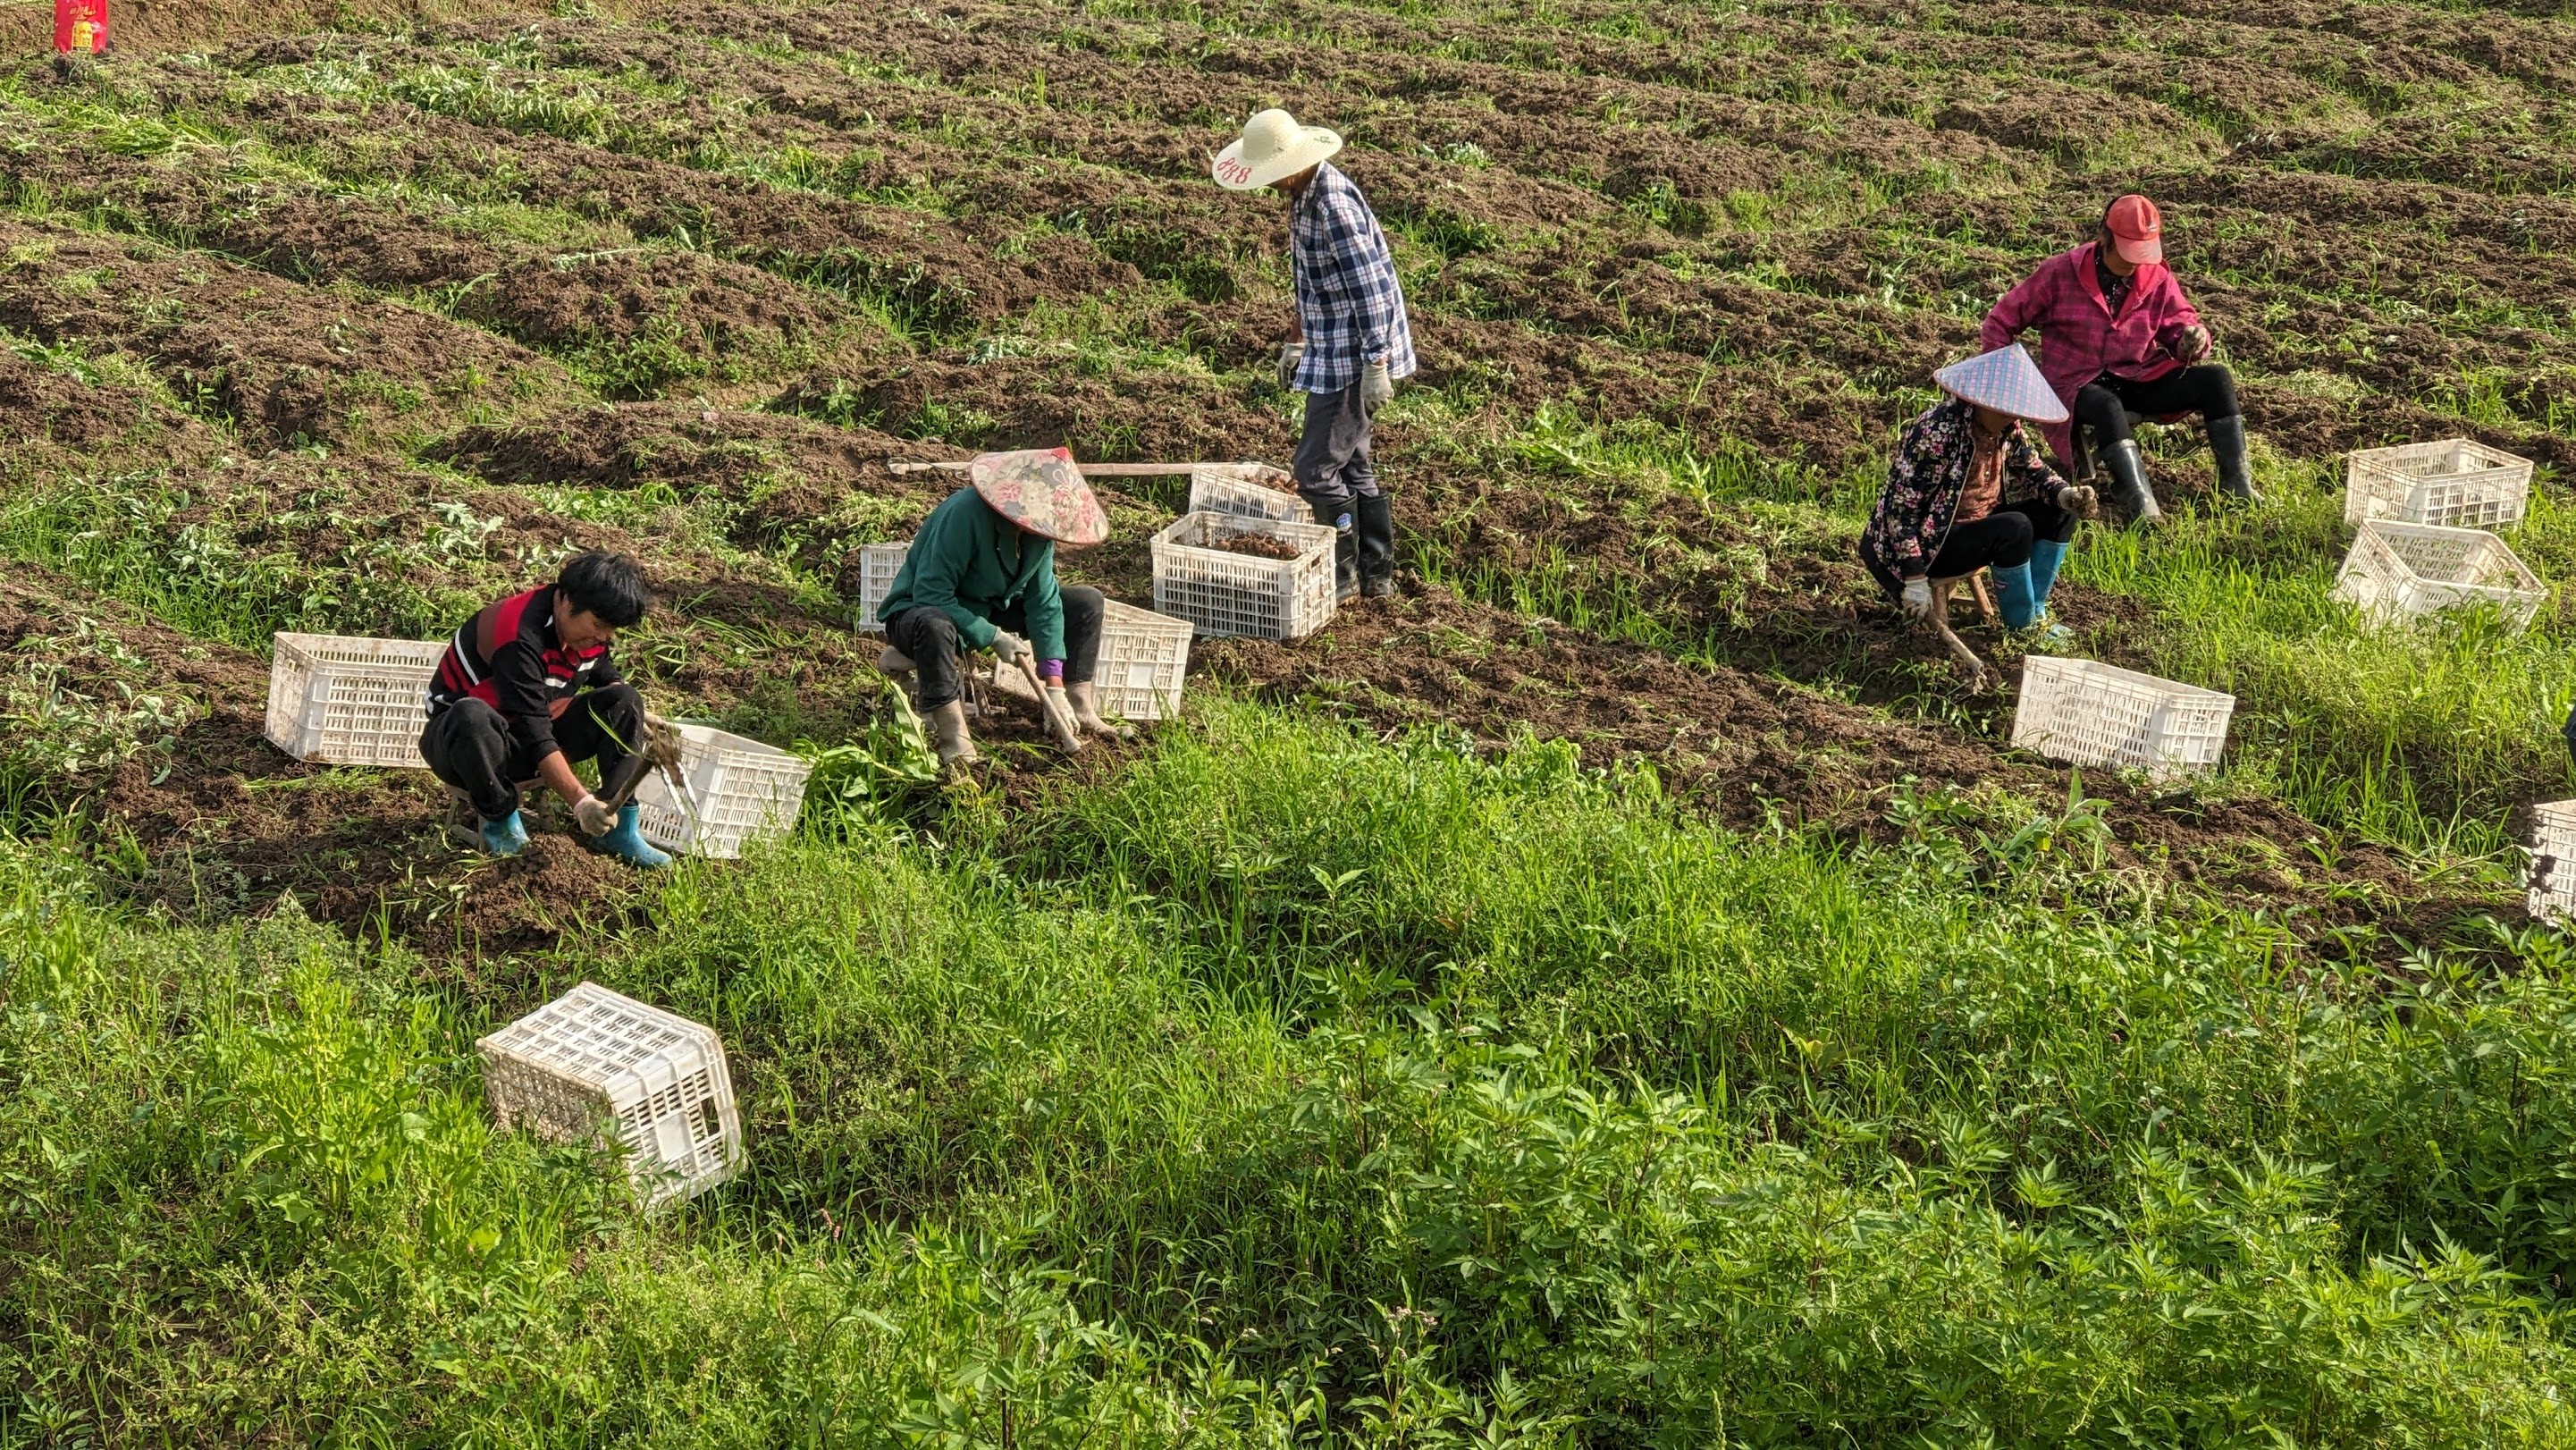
{"x": 1291, "y": 354}
{"x": 1009, "y": 647}
{"x": 1375, "y": 386}
{"x": 593, "y": 816}
{"x": 1917, "y": 600}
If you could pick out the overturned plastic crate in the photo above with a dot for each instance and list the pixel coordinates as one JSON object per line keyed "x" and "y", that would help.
{"x": 878, "y": 564}
{"x": 2458, "y": 482}
{"x": 735, "y": 791}
{"x": 339, "y": 701}
{"x": 1223, "y": 592}
{"x": 2088, "y": 713}
{"x": 2552, "y": 882}
{"x": 1249, "y": 490}
{"x": 2399, "y": 571}
{"x": 592, "y": 1066}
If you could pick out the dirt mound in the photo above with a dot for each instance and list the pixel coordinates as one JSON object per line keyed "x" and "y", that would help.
{"x": 284, "y": 363}
{"x": 1752, "y": 749}
{"x": 1105, "y": 411}
{"x": 636, "y": 322}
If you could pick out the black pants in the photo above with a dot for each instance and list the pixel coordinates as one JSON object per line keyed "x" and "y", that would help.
{"x": 1332, "y": 464}
{"x": 2104, "y": 404}
{"x": 929, "y": 637}
{"x": 469, "y": 745}
{"x": 2000, "y": 538}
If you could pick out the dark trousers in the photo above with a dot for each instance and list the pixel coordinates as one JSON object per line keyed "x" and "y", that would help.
{"x": 929, "y": 638}
{"x": 2104, "y": 404}
{"x": 470, "y": 745}
{"x": 2000, "y": 538}
{"x": 1332, "y": 465}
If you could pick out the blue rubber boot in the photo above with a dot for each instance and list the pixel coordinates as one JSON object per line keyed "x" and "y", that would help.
{"x": 626, "y": 842}
{"x": 2045, "y": 557}
{"x": 505, "y": 837}
{"x": 2013, "y": 597}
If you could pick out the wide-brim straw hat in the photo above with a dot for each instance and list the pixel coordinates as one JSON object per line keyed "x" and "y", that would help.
{"x": 1272, "y": 145}
{"x": 1041, "y": 490}
{"x": 2005, "y": 380}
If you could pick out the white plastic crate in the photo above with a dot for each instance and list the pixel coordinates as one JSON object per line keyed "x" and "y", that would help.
{"x": 738, "y": 789}
{"x": 2552, "y": 882}
{"x": 2456, "y": 482}
{"x": 1144, "y": 660}
{"x": 595, "y": 1067}
{"x": 2397, "y": 571}
{"x": 1225, "y": 593}
{"x": 2089, "y": 713}
{"x": 1252, "y": 490}
{"x": 878, "y": 564}
{"x": 340, "y": 701}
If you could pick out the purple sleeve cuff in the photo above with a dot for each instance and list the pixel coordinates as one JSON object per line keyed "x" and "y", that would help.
{"x": 1052, "y": 670}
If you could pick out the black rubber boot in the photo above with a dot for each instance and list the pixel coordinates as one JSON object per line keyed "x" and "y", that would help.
{"x": 1346, "y": 572}
{"x": 2227, "y": 449}
{"x": 1376, "y": 531}
{"x": 2128, "y": 470}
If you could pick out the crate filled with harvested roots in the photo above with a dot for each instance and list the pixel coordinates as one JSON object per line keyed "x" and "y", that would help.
{"x": 1252, "y": 490}
{"x": 2089, "y": 713}
{"x": 593, "y": 1066}
{"x": 2399, "y": 571}
{"x": 1232, "y": 575}
{"x": 2457, "y": 482}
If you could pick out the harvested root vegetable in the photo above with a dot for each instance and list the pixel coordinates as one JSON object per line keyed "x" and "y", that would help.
{"x": 1259, "y": 546}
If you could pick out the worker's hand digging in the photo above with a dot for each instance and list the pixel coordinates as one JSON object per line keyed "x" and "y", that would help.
{"x": 1009, "y": 648}
{"x": 1917, "y": 600}
{"x": 593, "y": 816}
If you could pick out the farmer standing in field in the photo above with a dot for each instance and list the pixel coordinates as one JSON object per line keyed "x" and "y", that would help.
{"x": 1347, "y": 343}
{"x": 981, "y": 575}
{"x": 526, "y": 690}
{"x": 2117, "y": 337}
{"x": 1966, "y": 491}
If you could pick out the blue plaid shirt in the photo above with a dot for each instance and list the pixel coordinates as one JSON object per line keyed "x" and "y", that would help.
{"x": 1349, "y": 303}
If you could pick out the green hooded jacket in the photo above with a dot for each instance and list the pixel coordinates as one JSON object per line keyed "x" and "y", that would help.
{"x": 971, "y": 563}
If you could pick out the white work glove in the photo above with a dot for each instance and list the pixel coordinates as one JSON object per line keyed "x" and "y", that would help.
{"x": 1290, "y": 355}
{"x": 1917, "y": 601}
{"x": 2080, "y": 500}
{"x": 1009, "y": 648}
{"x": 593, "y": 816}
{"x": 2194, "y": 344}
{"x": 1375, "y": 386}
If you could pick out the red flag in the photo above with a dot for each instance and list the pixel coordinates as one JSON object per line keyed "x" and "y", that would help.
{"x": 80, "y": 25}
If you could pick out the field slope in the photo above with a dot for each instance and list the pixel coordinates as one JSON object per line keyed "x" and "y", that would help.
{"x": 1621, "y": 991}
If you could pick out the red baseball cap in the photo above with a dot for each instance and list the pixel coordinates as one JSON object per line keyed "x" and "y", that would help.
{"x": 2136, "y": 229}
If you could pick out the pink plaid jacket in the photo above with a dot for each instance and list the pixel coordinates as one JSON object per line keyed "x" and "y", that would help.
{"x": 2079, "y": 338}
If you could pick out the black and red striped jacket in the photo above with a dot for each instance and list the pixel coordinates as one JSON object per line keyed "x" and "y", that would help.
{"x": 508, "y": 657}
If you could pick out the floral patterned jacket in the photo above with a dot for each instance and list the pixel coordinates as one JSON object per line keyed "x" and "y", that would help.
{"x": 1924, "y": 480}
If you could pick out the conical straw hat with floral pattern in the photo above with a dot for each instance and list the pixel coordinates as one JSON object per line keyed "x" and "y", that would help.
{"x": 2005, "y": 380}
{"x": 1042, "y": 491}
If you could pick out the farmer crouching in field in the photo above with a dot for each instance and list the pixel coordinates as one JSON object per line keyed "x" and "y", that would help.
{"x": 1348, "y": 342}
{"x": 981, "y": 575}
{"x": 526, "y": 689}
{"x": 2117, "y": 338}
{"x": 1965, "y": 491}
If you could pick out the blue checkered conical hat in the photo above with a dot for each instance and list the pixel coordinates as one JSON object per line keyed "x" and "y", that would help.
{"x": 2005, "y": 380}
